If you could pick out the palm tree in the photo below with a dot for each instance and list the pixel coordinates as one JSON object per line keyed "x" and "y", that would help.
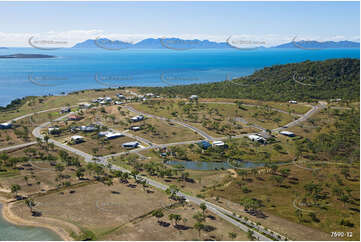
{"x": 30, "y": 203}
{"x": 203, "y": 206}
{"x": 198, "y": 226}
{"x": 199, "y": 217}
{"x": 26, "y": 180}
{"x": 158, "y": 214}
{"x": 15, "y": 188}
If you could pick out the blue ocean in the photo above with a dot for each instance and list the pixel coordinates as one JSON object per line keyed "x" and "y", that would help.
{"x": 76, "y": 69}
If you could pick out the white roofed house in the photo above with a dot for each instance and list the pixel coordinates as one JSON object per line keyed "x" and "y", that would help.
{"x": 65, "y": 110}
{"x": 219, "y": 144}
{"x": 135, "y": 128}
{"x": 6, "y": 125}
{"x": 89, "y": 128}
{"x": 137, "y": 118}
{"x": 113, "y": 135}
{"x": 77, "y": 139}
{"x": 149, "y": 95}
{"x": 193, "y": 98}
{"x": 287, "y": 133}
{"x": 292, "y": 102}
{"x": 53, "y": 130}
{"x": 85, "y": 105}
{"x": 120, "y": 96}
{"x": 257, "y": 138}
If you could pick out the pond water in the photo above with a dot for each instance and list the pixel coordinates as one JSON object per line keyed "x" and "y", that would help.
{"x": 13, "y": 232}
{"x": 206, "y": 166}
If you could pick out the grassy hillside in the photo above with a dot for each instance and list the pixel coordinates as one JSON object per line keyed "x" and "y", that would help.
{"x": 305, "y": 81}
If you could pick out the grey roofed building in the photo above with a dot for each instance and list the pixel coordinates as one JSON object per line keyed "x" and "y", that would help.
{"x": 133, "y": 144}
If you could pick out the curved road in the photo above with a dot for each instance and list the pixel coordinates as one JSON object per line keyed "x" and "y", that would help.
{"x": 223, "y": 213}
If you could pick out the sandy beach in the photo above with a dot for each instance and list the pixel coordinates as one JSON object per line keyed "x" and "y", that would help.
{"x": 9, "y": 216}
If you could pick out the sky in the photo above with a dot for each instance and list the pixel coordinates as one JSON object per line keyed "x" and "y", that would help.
{"x": 271, "y": 22}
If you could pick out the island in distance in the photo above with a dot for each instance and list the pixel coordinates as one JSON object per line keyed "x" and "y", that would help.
{"x": 25, "y": 56}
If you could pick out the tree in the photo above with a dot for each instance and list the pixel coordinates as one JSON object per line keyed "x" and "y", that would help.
{"x": 80, "y": 172}
{"x": 172, "y": 190}
{"x": 158, "y": 214}
{"x": 30, "y": 203}
{"x": 232, "y": 235}
{"x": 175, "y": 217}
{"x": 274, "y": 168}
{"x": 344, "y": 198}
{"x": 199, "y": 217}
{"x": 144, "y": 183}
{"x": 198, "y": 226}
{"x": 250, "y": 234}
{"x": 15, "y": 188}
{"x": 299, "y": 215}
{"x": 203, "y": 206}
{"x": 134, "y": 174}
{"x": 26, "y": 180}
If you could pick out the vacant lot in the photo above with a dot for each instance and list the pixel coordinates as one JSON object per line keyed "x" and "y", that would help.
{"x": 331, "y": 198}
{"x": 116, "y": 212}
{"x": 216, "y": 119}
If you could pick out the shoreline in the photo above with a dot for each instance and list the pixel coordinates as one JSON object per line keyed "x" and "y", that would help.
{"x": 10, "y": 217}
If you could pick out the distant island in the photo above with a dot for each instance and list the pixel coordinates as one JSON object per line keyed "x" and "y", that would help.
{"x": 177, "y": 43}
{"x": 25, "y": 56}
{"x": 3, "y": 48}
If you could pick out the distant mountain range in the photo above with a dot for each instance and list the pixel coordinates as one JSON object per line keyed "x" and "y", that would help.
{"x": 3, "y": 48}
{"x": 320, "y": 45}
{"x": 176, "y": 43}
{"x": 152, "y": 43}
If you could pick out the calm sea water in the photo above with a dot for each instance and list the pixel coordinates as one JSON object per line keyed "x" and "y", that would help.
{"x": 76, "y": 69}
{"x": 21, "y": 233}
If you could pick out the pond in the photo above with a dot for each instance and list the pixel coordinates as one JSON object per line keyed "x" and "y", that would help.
{"x": 14, "y": 232}
{"x": 206, "y": 166}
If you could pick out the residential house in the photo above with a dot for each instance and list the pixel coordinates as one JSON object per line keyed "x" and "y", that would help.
{"x": 85, "y": 105}
{"x": 135, "y": 128}
{"x": 65, "y": 110}
{"x": 287, "y": 133}
{"x": 257, "y": 138}
{"x": 74, "y": 118}
{"x": 5, "y": 126}
{"x": 77, "y": 139}
{"x": 133, "y": 144}
{"x": 53, "y": 130}
{"x": 137, "y": 118}
{"x": 219, "y": 144}
{"x": 193, "y": 98}
{"x": 204, "y": 144}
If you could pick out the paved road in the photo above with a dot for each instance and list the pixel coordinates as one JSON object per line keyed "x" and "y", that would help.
{"x": 223, "y": 213}
{"x": 103, "y": 161}
{"x": 200, "y": 132}
{"x": 303, "y": 118}
{"x": 17, "y": 146}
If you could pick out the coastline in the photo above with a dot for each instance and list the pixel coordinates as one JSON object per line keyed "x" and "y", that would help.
{"x": 10, "y": 217}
